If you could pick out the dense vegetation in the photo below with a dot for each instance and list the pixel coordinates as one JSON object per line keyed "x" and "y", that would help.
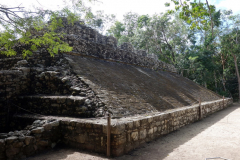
{"x": 201, "y": 41}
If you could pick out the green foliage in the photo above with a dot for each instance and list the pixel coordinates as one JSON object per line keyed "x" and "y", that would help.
{"x": 197, "y": 14}
{"x": 38, "y": 29}
{"x": 116, "y": 30}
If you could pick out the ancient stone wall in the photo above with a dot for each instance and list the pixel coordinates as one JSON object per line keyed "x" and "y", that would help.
{"x": 41, "y": 135}
{"x": 90, "y": 134}
{"x": 12, "y": 83}
{"x": 129, "y": 133}
{"x": 88, "y": 42}
{"x": 42, "y": 75}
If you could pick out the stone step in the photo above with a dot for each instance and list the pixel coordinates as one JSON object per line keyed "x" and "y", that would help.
{"x": 56, "y": 105}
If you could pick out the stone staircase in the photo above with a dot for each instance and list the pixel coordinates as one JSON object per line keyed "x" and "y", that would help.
{"x": 61, "y": 105}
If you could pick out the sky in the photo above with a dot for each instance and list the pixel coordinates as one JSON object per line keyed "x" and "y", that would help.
{"x": 120, "y": 7}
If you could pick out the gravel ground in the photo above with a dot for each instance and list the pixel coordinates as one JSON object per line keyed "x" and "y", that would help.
{"x": 215, "y": 136}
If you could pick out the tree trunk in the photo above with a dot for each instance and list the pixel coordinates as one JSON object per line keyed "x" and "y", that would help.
{"x": 215, "y": 79}
{"x": 237, "y": 72}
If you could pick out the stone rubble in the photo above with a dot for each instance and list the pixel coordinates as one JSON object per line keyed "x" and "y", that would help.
{"x": 41, "y": 135}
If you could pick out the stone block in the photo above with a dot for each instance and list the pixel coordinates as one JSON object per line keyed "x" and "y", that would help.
{"x": 144, "y": 122}
{"x": 29, "y": 150}
{"x": 142, "y": 134}
{"x": 11, "y": 151}
{"x": 88, "y": 125}
{"x": 117, "y": 151}
{"x": 47, "y": 127}
{"x": 119, "y": 140}
{"x": 37, "y": 130}
{"x": 155, "y": 129}
{"x": 150, "y": 119}
{"x": 2, "y": 145}
{"x": 42, "y": 143}
{"x": 17, "y": 144}
{"x": 118, "y": 128}
{"x": 134, "y": 136}
{"x": 129, "y": 125}
{"x": 136, "y": 123}
{"x": 82, "y": 138}
{"x": 150, "y": 131}
{"x": 10, "y": 140}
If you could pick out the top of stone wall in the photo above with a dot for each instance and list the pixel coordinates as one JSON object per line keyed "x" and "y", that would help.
{"x": 89, "y": 42}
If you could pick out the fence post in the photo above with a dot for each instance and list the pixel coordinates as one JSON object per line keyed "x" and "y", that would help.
{"x": 200, "y": 109}
{"x": 108, "y": 134}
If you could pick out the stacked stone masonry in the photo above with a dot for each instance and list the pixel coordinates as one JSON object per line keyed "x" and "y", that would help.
{"x": 90, "y": 134}
{"x": 47, "y": 80}
{"x": 88, "y": 42}
{"x": 41, "y": 135}
{"x": 129, "y": 133}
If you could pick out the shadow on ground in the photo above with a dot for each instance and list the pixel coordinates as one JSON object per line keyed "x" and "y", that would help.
{"x": 154, "y": 150}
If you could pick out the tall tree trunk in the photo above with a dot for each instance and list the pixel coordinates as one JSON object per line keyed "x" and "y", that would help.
{"x": 215, "y": 79}
{"x": 237, "y": 72}
{"x": 209, "y": 11}
{"x": 223, "y": 77}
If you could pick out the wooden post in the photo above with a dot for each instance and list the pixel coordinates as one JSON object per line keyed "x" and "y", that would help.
{"x": 200, "y": 109}
{"x": 223, "y": 101}
{"x": 108, "y": 134}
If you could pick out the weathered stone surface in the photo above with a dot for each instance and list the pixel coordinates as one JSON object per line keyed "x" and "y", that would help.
{"x": 43, "y": 143}
{"x": 81, "y": 138}
{"x": 37, "y": 130}
{"x": 142, "y": 134}
{"x": 2, "y": 145}
{"x": 134, "y": 136}
{"x": 118, "y": 128}
{"x": 28, "y": 140}
{"x": 10, "y": 140}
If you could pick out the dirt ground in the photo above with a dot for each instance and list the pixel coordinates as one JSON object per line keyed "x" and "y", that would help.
{"x": 215, "y": 136}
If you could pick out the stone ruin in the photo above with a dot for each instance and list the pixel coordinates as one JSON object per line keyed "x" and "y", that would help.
{"x": 64, "y": 99}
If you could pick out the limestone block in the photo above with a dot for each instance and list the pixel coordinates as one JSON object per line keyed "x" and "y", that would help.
{"x": 42, "y": 143}
{"x": 47, "y": 127}
{"x": 142, "y": 134}
{"x": 136, "y": 124}
{"x": 54, "y": 124}
{"x": 37, "y": 130}
{"x": 144, "y": 122}
{"x": 150, "y": 119}
{"x": 150, "y": 131}
{"x": 82, "y": 138}
{"x": 155, "y": 129}
{"x": 9, "y": 140}
{"x": 129, "y": 125}
{"x": 28, "y": 140}
{"x": 134, "y": 136}
{"x": 118, "y": 128}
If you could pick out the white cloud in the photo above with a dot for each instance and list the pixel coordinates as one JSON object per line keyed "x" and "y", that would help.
{"x": 229, "y": 4}
{"x": 120, "y": 7}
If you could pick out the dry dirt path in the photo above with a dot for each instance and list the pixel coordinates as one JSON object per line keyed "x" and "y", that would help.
{"x": 215, "y": 136}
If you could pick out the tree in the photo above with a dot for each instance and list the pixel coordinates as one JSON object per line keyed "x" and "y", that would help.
{"x": 18, "y": 26}
{"x": 230, "y": 45}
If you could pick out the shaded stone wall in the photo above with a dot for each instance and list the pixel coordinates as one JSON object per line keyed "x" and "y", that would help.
{"x": 129, "y": 133}
{"x": 90, "y": 134}
{"x": 12, "y": 83}
{"x": 44, "y": 75}
{"x": 41, "y": 135}
{"x": 8, "y": 63}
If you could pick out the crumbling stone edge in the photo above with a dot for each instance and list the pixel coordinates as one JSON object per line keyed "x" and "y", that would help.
{"x": 90, "y": 134}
